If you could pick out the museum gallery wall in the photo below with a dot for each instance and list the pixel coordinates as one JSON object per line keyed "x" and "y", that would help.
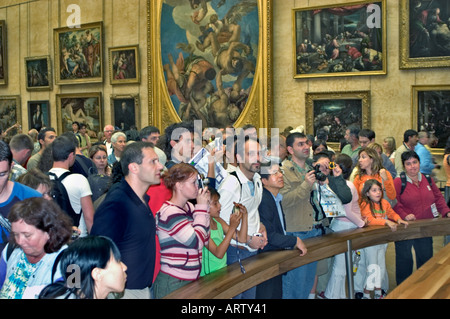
{"x": 125, "y": 27}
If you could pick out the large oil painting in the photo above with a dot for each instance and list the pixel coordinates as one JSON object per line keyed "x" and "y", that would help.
{"x": 424, "y": 34}
{"x": 79, "y": 54}
{"x": 209, "y": 52}
{"x": 10, "y": 112}
{"x": 82, "y": 108}
{"x": 431, "y": 112}
{"x": 336, "y": 111}
{"x": 340, "y": 40}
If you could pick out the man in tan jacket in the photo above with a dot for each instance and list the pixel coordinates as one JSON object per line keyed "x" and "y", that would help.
{"x": 299, "y": 179}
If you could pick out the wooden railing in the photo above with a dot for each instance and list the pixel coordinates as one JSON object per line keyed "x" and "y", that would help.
{"x": 230, "y": 281}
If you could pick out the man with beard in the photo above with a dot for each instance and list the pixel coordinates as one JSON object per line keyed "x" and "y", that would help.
{"x": 244, "y": 187}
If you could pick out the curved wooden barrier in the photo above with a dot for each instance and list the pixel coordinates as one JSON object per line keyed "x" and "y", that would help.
{"x": 230, "y": 281}
{"x": 431, "y": 281}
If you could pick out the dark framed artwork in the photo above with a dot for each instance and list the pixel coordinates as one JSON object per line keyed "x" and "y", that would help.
{"x": 38, "y": 73}
{"x": 3, "y": 54}
{"x": 79, "y": 54}
{"x": 124, "y": 65}
{"x": 10, "y": 112}
{"x": 336, "y": 111}
{"x": 82, "y": 108}
{"x": 431, "y": 112}
{"x": 343, "y": 40}
{"x": 424, "y": 34}
{"x": 191, "y": 77}
{"x": 125, "y": 111}
{"x": 38, "y": 114}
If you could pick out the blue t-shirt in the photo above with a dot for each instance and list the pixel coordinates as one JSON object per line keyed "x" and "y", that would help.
{"x": 19, "y": 193}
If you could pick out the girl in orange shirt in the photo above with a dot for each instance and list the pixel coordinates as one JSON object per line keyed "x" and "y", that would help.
{"x": 378, "y": 211}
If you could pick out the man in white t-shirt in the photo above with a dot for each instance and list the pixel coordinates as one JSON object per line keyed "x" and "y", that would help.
{"x": 77, "y": 185}
{"x": 244, "y": 186}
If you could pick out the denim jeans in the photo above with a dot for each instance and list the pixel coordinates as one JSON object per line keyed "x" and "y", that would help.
{"x": 232, "y": 257}
{"x": 297, "y": 283}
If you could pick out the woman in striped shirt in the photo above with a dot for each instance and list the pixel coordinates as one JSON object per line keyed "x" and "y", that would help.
{"x": 182, "y": 229}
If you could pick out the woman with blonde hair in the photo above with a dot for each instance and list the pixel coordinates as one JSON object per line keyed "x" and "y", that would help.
{"x": 389, "y": 147}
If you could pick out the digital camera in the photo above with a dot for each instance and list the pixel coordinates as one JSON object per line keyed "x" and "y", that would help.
{"x": 319, "y": 175}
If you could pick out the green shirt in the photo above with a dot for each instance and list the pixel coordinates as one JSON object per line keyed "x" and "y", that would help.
{"x": 210, "y": 262}
{"x": 348, "y": 150}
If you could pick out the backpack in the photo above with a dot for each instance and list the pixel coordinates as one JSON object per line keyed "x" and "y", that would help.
{"x": 403, "y": 178}
{"x": 60, "y": 196}
{"x": 99, "y": 185}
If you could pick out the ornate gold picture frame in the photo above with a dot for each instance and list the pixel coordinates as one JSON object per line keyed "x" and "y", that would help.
{"x": 38, "y": 71}
{"x": 258, "y": 109}
{"x": 424, "y": 34}
{"x": 82, "y": 108}
{"x": 3, "y": 54}
{"x": 125, "y": 111}
{"x": 124, "y": 67}
{"x": 337, "y": 111}
{"x": 10, "y": 111}
{"x": 79, "y": 54}
{"x": 340, "y": 40}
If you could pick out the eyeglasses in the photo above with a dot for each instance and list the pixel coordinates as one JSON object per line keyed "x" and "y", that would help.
{"x": 280, "y": 171}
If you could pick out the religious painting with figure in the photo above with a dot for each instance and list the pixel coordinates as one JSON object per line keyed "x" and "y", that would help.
{"x": 340, "y": 40}
{"x": 209, "y": 50}
{"x": 82, "y": 108}
{"x": 124, "y": 65}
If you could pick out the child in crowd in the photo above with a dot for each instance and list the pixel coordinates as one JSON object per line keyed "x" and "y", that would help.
{"x": 182, "y": 229}
{"x": 378, "y": 211}
{"x": 215, "y": 252}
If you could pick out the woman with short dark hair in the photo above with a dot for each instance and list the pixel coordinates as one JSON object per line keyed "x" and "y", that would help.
{"x": 39, "y": 233}
{"x": 418, "y": 197}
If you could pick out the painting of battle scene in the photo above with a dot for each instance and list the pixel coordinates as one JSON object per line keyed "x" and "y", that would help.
{"x": 333, "y": 41}
{"x": 209, "y": 50}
